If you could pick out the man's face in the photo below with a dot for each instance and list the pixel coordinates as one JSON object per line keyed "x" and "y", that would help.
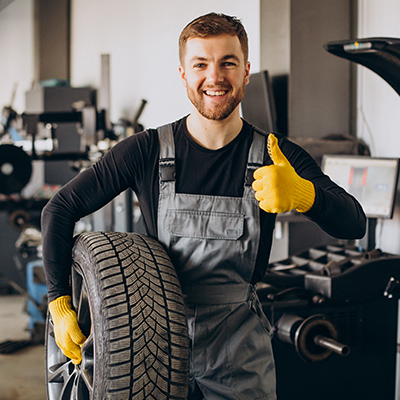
{"x": 215, "y": 74}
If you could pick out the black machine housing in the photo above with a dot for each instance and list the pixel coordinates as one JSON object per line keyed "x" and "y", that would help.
{"x": 334, "y": 311}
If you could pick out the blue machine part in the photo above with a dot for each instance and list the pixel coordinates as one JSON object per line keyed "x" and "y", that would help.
{"x": 37, "y": 290}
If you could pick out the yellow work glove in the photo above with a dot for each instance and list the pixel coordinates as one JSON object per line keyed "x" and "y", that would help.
{"x": 67, "y": 333}
{"x": 278, "y": 187}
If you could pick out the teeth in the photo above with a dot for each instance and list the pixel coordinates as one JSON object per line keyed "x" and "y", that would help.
{"x": 213, "y": 93}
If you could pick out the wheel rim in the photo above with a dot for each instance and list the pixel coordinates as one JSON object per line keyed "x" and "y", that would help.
{"x": 66, "y": 381}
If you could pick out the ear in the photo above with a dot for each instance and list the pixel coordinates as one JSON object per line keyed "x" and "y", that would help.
{"x": 247, "y": 72}
{"x": 183, "y": 76}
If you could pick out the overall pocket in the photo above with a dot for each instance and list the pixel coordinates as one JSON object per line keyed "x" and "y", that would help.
{"x": 205, "y": 224}
{"x": 206, "y": 247}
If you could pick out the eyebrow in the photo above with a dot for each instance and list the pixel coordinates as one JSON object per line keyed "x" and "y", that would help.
{"x": 224, "y": 58}
{"x": 231, "y": 56}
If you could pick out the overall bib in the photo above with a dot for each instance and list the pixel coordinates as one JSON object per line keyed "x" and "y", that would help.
{"x": 213, "y": 243}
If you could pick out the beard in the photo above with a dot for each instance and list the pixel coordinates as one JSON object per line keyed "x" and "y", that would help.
{"x": 216, "y": 113}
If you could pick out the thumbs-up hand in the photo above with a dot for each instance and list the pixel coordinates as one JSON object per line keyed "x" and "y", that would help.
{"x": 278, "y": 187}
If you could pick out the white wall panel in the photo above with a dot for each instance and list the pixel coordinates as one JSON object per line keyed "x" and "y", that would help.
{"x": 16, "y": 50}
{"x": 378, "y": 105}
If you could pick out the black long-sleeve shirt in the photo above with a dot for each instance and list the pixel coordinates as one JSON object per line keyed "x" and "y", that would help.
{"x": 133, "y": 163}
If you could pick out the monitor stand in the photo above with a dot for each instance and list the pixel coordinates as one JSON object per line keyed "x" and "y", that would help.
{"x": 368, "y": 242}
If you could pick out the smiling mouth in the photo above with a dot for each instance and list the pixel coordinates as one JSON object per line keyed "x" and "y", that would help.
{"x": 215, "y": 93}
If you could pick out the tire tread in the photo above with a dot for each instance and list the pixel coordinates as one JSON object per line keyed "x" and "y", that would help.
{"x": 144, "y": 314}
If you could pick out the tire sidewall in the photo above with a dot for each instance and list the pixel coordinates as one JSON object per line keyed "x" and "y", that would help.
{"x": 86, "y": 266}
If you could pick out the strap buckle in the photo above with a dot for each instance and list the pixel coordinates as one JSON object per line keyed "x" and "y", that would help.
{"x": 249, "y": 178}
{"x": 167, "y": 170}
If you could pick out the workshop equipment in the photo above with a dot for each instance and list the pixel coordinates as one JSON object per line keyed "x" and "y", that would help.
{"x": 334, "y": 308}
{"x": 15, "y": 169}
{"x": 334, "y": 313}
{"x": 379, "y": 54}
{"x": 8, "y": 118}
{"x": 37, "y": 301}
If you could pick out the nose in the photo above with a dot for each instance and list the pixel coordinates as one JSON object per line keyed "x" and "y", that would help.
{"x": 214, "y": 74}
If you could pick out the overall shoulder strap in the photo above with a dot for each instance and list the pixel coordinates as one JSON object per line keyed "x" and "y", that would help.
{"x": 256, "y": 156}
{"x": 167, "y": 153}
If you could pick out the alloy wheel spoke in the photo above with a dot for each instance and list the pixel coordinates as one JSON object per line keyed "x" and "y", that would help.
{"x": 66, "y": 381}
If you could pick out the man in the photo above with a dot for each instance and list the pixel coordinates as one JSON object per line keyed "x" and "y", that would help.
{"x": 194, "y": 179}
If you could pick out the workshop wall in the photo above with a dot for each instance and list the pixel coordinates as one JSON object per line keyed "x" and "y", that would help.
{"x": 142, "y": 39}
{"x": 378, "y": 105}
{"x": 16, "y": 49}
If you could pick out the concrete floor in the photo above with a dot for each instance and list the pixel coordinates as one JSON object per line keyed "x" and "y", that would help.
{"x": 22, "y": 372}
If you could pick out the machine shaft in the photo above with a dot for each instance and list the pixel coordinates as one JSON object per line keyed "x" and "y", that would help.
{"x": 331, "y": 344}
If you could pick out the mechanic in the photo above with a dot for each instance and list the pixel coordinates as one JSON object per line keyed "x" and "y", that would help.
{"x": 194, "y": 182}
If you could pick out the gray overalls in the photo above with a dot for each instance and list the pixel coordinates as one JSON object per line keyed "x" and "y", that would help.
{"x": 213, "y": 243}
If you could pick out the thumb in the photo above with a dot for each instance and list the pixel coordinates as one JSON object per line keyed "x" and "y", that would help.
{"x": 274, "y": 151}
{"x": 76, "y": 335}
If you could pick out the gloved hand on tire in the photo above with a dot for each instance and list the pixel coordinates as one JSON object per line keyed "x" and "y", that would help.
{"x": 68, "y": 335}
{"x": 278, "y": 187}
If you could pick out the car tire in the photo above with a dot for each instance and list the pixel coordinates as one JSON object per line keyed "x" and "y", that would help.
{"x": 130, "y": 307}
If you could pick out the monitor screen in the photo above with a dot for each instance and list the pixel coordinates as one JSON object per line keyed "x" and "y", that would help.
{"x": 372, "y": 181}
{"x": 258, "y": 105}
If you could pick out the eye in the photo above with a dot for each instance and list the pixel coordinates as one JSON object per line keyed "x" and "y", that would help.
{"x": 199, "y": 65}
{"x": 228, "y": 64}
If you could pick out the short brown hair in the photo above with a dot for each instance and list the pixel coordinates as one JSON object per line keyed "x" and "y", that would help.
{"x": 213, "y": 24}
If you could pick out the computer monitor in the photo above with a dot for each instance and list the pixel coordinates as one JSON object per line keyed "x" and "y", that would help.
{"x": 258, "y": 105}
{"x": 371, "y": 180}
